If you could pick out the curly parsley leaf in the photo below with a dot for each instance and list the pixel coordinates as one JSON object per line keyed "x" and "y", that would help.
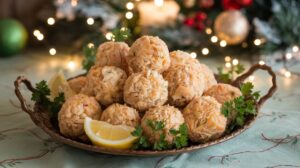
{"x": 181, "y": 136}
{"x": 41, "y": 94}
{"x": 229, "y": 73}
{"x": 243, "y": 106}
{"x": 142, "y": 142}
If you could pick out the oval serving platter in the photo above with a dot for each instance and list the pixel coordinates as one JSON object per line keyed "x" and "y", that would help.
{"x": 41, "y": 118}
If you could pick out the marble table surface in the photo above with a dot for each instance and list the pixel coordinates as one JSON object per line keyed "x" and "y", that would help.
{"x": 273, "y": 140}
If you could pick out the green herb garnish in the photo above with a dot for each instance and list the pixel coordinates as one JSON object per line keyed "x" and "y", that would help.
{"x": 181, "y": 137}
{"x": 41, "y": 94}
{"x": 227, "y": 77}
{"x": 142, "y": 142}
{"x": 243, "y": 106}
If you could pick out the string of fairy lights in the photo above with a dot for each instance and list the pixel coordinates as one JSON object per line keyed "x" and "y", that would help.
{"x": 129, "y": 14}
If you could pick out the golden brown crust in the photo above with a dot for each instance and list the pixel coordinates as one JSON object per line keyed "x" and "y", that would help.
{"x": 112, "y": 54}
{"x": 171, "y": 117}
{"x": 209, "y": 77}
{"x": 179, "y": 57}
{"x": 145, "y": 89}
{"x": 106, "y": 84}
{"x": 185, "y": 83}
{"x": 204, "y": 119}
{"x": 73, "y": 112}
{"x": 148, "y": 52}
{"x": 223, "y": 93}
{"x": 77, "y": 83}
{"x": 118, "y": 114}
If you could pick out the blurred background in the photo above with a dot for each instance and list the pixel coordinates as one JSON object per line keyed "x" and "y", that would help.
{"x": 258, "y": 31}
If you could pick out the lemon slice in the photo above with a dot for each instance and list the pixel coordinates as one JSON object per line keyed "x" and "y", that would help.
{"x": 58, "y": 84}
{"x": 107, "y": 135}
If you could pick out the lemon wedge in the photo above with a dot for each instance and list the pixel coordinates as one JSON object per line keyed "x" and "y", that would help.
{"x": 107, "y": 135}
{"x": 58, "y": 84}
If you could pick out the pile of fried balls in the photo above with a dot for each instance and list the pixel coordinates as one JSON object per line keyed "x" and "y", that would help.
{"x": 131, "y": 85}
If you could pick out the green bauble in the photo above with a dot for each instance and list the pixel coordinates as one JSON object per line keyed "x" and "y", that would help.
{"x": 13, "y": 37}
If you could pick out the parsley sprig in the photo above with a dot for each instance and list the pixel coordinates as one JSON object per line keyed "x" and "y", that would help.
{"x": 227, "y": 76}
{"x": 243, "y": 106}
{"x": 41, "y": 96}
{"x": 181, "y": 136}
{"x": 180, "y": 140}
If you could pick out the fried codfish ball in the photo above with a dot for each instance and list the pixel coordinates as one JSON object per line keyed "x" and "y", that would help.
{"x": 148, "y": 52}
{"x": 118, "y": 114}
{"x": 73, "y": 112}
{"x": 183, "y": 58}
{"x": 106, "y": 84}
{"x": 77, "y": 83}
{"x": 112, "y": 54}
{"x": 169, "y": 115}
{"x": 185, "y": 83}
{"x": 204, "y": 119}
{"x": 223, "y": 93}
{"x": 145, "y": 89}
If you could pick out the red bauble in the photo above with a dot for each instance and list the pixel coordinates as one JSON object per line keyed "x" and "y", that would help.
{"x": 244, "y": 2}
{"x": 189, "y": 22}
{"x": 206, "y": 3}
{"x": 200, "y": 26}
{"x": 231, "y": 4}
{"x": 200, "y": 16}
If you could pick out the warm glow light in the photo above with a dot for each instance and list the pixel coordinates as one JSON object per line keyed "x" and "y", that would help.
{"x": 40, "y": 37}
{"x": 193, "y": 54}
{"x": 90, "y": 21}
{"x": 159, "y": 3}
{"x": 214, "y": 39}
{"x": 36, "y": 33}
{"x": 123, "y": 29}
{"x": 52, "y": 51}
{"x": 235, "y": 61}
{"x": 295, "y": 48}
{"x": 251, "y": 78}
{"x": 71, "y": 65}
{"x": 227, "y": 59}
{"x": 109, "y": 36}
{"x": 261, "y": 62}
{"x": 129, "y": 5}
{"x": 287, "y": 74}
{"x": 91, "y": 45}
{"x": 129, "y": 15}
{"x": 288, "y": 56}
{"x": 205, "y": 51}
{"x": 223, "y": 43}
{"x": 208, "y": 31}
{"x": 227, "y": 64}
{"x": 51, "y": 21}
{"x": 74, "y": 2}
{"x": 257, "y": 42}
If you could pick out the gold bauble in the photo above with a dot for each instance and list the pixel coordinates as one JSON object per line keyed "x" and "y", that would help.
{"x": 231, "y": 26}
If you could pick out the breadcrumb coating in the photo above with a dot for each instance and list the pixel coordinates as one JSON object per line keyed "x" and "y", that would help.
{"x": 145, "y": 89}
{"x": 185, "y": 83}
{"x": 106, "y": 84}
{"x": 112, "y": 54}
{"x": 119, "y": 114}
{"x": 204, "y": 119}
{"x": 77, "y": 83}
{"x": 73, "y": 112}
{"x": 149, "y": 52}
{"x": 171, "y": 117}
{"x": 223, "y": 93}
